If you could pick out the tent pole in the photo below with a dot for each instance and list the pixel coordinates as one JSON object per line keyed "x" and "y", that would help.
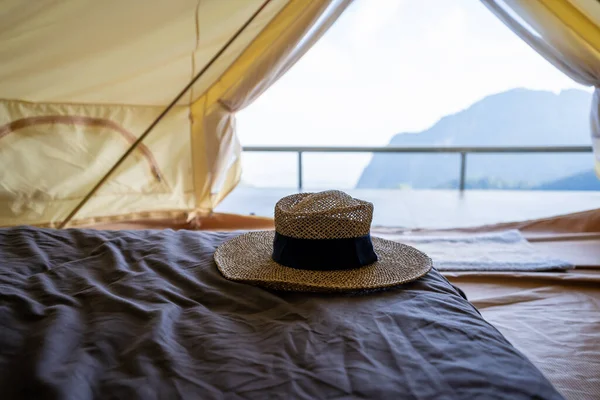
{"x": 160, "y": 117}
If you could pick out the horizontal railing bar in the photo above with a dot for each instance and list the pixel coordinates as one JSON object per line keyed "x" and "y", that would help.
{"x": 424, "y": 149}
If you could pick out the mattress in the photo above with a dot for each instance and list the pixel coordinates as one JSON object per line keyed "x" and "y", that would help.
{"x": 146, "y": 315}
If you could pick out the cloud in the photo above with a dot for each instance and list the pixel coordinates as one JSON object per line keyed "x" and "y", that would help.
{"x": 369, "y": 18}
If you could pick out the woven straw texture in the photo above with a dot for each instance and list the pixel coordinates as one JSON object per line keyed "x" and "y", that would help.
{"x": 247, "y": 258}
{"x": 325, "y": 215}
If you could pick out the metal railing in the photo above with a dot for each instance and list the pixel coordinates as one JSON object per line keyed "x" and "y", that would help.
{"x": 463, "y": 151}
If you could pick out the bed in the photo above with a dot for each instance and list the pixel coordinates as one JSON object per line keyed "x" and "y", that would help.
{"x": 146, "y": 315}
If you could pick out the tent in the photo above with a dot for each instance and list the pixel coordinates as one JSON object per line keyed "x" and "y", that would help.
{"x": 81, "y": 84}
{"x": 81, "y": 81}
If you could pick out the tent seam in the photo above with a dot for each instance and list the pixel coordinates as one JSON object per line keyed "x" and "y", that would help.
{"x": 73, "y": 104}
{"x": 193, "y": 55}
{"x": 266, "y": 49}
{"x": 235, "y": 60}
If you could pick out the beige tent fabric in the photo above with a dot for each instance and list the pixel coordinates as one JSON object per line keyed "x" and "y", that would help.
{"x": 80, "y": 80}
{"x": 566, "y": 33}
{"x": 118, "y": 51}
{"x": 265, "y": 61}
{"x": 51, "y": 155}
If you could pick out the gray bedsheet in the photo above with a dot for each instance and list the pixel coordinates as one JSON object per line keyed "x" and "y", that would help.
{"x": 146, "y": 315}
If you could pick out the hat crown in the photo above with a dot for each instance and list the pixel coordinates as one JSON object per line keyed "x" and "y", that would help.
{"x": 325, "y": 215}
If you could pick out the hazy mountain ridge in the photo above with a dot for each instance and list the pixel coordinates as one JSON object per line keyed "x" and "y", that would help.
{"x": 581, "y": 181}
{"x": 518, "y": 117}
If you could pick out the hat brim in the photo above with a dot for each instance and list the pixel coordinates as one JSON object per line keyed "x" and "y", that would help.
{"x": 247, "y": 258}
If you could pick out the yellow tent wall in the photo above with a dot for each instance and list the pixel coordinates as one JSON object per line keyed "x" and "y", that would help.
{"x": 81, "y": 80}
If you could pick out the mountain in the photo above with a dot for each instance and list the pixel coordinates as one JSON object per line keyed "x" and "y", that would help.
{"x": 518, "y": 117}
{"x": 581, "y": 181}
{"x": 487, "y": 183}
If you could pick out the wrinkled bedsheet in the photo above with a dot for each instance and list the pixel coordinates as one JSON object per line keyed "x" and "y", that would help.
{"x": 146, "y": 315}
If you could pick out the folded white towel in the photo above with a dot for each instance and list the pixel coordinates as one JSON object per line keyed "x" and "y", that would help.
{"x": 498, "y": 251}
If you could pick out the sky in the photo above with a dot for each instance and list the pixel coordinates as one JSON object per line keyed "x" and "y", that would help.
{"x": 385, "y": 67}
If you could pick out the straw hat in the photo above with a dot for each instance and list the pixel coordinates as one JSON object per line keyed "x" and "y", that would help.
{"x": 321, "y": 243}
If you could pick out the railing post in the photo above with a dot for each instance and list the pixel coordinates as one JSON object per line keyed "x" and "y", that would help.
{"x": 463, "y": 170}
{"x": 429, "y": 150}
{"x": 299, "y": 171}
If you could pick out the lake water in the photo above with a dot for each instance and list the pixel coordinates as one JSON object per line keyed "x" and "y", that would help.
{"x": 433, "y": 208}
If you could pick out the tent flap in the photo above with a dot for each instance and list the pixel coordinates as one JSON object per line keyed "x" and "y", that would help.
{"x": 297, "y": 27}
{"x": 81, "y": 80}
